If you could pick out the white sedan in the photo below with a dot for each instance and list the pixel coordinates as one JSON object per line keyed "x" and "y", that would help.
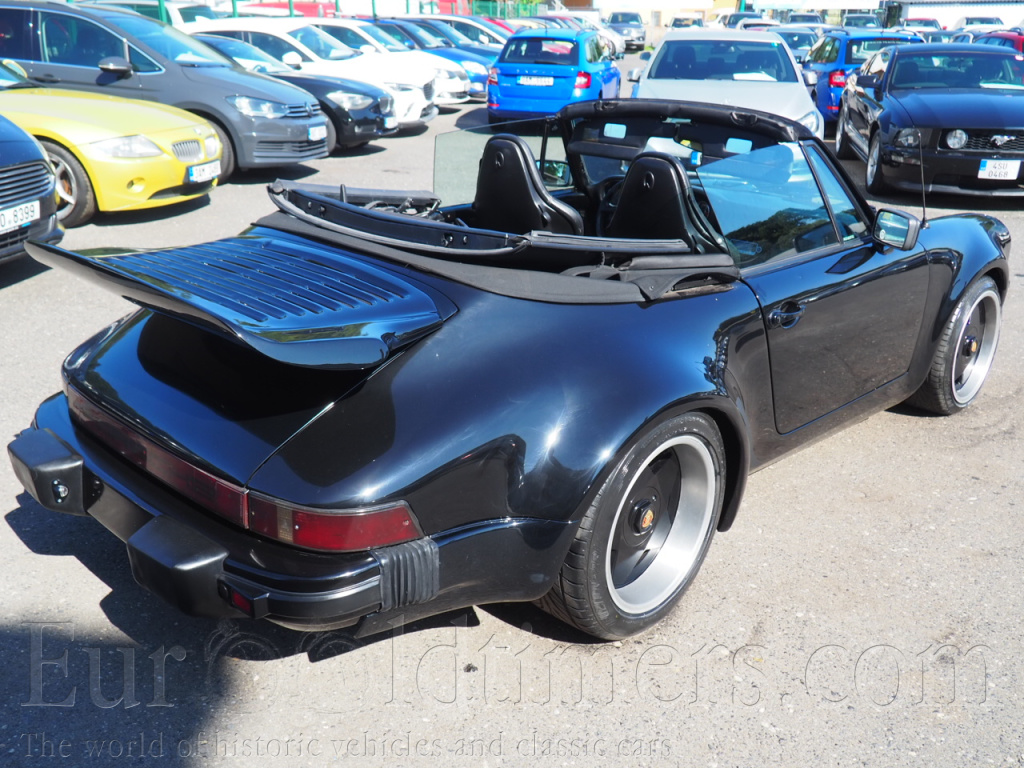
{"x": 754, "y": 70}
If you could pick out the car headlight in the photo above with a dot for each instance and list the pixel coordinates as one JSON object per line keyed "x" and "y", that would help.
{"x": 812, "y": 120}
{"x": 252, "y": 107}
{"x": 350, "y": 100}
{"x": 908, "y": 137}
{"x": 474, "y": 66}
{"x": 956, "y": 139}
{"x": 128, "y": 146}
{"x": 212, "y": 145}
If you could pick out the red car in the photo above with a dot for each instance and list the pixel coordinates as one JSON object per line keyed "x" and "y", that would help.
{"x": 1008, "y": 39}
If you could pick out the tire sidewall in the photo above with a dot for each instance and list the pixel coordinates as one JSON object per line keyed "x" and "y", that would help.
{"x": 613, "y": 622}
{"x": 957, "y": 325}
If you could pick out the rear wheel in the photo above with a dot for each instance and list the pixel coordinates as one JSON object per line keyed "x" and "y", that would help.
{"x": 332, "y": 137}
{"x": 965, "y": 352}
{"x": 643, "y": 539}
{"x": 874, "y": 177}
{"x": 76, "y": 199}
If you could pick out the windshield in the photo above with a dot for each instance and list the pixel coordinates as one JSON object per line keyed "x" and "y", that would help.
{"x": 989, "y": 71}
{"x": 798, "y": 39}
{"x": 322, "y": 44}
{"x": 249, "y": 56}
{"x": 625, "y": 18}
{"x": 859, "y": 51}
{"x": 539, "y": 50}
{"x": 449, "y": 33}
{"x": 722, "y": 60}
{"x": 389, "y": 41}
{"x": 169, "y": 42}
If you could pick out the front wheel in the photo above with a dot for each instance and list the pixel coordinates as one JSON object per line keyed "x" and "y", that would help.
{"x": 965, "y": 352}
{"x": 643, "y": 539}
{"x": 76, "y": 198}
{"x": 227, "y": 154}
{"x": 874, "y": 177}
{"x": 843, "y": 149}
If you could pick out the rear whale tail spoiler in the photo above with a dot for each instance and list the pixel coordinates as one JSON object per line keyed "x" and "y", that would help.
{"x": 317, "y": 309}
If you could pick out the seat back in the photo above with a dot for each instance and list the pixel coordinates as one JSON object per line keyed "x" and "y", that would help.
{"x": 652, "y": 201}
{"x": 510, "y": 193}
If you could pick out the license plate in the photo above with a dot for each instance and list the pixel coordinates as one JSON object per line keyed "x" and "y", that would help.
{"x": 999, "y": 169}
{"x": 529, "y": 80}
{"x": 390, "y": 122}
{"x": 317, "y": 132}
{"x": 19, "y": 215}
{"x": 204, "y": 172}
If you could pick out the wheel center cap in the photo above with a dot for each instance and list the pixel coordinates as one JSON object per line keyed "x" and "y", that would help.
{"x": 644, "y": 515}
{"x": 970, "y": 346}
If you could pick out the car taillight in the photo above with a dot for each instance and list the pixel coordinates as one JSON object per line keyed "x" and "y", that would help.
{"x": 492, "y": 76}
{"x": 332, "y": 531}
{"x": 837, "y": 79}
{"x": 327, "y": 530}
{"x": 582, "y": 80}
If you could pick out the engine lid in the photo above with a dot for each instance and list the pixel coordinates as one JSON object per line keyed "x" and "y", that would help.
{"x": 298, "y": 304}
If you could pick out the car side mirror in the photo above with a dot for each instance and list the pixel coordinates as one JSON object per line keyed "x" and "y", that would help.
{"x": 556, "y": 173}
{"x": 645, "y": 56}
{"x": 868, "y": 81}
{"x": 292, "y": 59}
{"x": 810, "y": 77}
{"x": 634, "y": 75}
{"x": 116, "y": 65}
{"x": 898, "y": 229}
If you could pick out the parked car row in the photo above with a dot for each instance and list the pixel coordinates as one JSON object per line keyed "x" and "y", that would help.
{"x": 133, "y": 113}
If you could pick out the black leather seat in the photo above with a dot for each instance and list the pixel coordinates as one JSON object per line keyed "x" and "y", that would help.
{"x": 652, "y": 201}
{"x": 510, "y": 194}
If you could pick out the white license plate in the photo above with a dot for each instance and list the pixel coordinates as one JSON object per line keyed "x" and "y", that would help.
{"x": 390, "y": 122}
{"x": 204, "y": 172}
{"x": 317, "y": 132}
{"x": 999, "y": 169}
{"x": 19, "y": 215}
{"x": 529, "y": 80}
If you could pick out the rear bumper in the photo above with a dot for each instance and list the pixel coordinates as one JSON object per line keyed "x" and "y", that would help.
{"x": 206, "y": 567}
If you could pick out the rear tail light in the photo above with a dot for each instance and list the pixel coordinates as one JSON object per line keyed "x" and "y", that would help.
{"x": 837, "y": 79}
{"x": 492, "y": 76}
{"x": 582, "y": 80}
{"x": 327, "y": 530}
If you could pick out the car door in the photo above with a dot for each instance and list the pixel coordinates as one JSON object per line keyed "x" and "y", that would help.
{"x": 67, "y": 50}
{"x": 865, "y": 104}
{"x": 842, "y": 316}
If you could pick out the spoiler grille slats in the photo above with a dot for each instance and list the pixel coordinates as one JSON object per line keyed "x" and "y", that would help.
{"x": 316, "y": 307}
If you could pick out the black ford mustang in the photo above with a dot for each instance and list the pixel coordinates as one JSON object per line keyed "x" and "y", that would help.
{"x": 372, "y": 407}
{"x": 946, "y": 116}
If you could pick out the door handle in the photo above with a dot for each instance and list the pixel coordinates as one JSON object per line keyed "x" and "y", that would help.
{"x": 46, "y": 78}
{"x": 786, "y": 316}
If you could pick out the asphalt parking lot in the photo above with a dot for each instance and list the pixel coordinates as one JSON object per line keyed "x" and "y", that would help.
{"x": 865, "y": 609}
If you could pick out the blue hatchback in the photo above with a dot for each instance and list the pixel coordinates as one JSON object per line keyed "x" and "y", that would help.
{"x": 839, "y": 52}
{"x": 541, "y": 70}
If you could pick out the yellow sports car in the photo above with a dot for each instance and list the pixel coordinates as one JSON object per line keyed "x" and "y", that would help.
{"x": 110, "y": 153}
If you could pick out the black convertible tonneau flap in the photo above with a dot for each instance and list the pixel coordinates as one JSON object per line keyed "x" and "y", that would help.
{"x": 297, "y": 305}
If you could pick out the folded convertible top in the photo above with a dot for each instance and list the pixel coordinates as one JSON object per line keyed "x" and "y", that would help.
{"x": 271, "y": 294}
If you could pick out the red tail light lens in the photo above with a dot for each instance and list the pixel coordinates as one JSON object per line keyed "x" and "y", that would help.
{"x": 837, "y": 79}
{"x": 348, "y": 530}
{"x": 492, "y": 76}
{"x": 582, "y": 80}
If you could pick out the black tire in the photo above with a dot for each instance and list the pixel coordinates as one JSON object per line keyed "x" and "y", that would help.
{"x": 332, "y": 137}
{"x": 843, "y": 149}
{"x": 227, "y": 155}
{"x": 76, "y": 199}
{"x": 644, "y": 537}
{"x": 874, "y": 176}
{"x": 965, "y": 352}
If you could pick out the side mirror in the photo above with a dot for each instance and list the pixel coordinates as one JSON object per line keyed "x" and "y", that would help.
{"x": 116, "y": 65}
{"x": 556, "y": 173}
{"x": 896, "y": 228}
{"x": 292, "y": 59}
{"x": 645, "y": 56}
{"x": 634, "y": 75}
{"x": 868, "y": 81}
{"x": 810, "y": 77}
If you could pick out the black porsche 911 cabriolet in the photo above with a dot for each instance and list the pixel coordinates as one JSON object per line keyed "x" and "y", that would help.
{"x": 545, "y": 380}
